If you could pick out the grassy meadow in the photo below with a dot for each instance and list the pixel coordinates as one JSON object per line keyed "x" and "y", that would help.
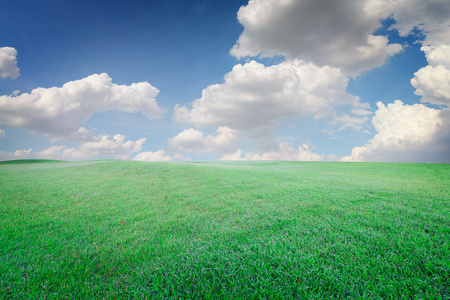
{"x": 224, "y": 230}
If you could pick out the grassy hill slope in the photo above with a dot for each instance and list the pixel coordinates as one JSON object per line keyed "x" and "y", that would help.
{"x": 311, "y": 230}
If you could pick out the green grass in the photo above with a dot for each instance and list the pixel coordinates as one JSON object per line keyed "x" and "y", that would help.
{"x": 261, "y": 230}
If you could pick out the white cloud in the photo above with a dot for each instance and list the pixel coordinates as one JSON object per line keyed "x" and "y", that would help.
{"x": 328, "y": 32}
{"x": 347, "y": 121}
{"x": 379, "y": 9}
{"x": 19, "y": 154}
{"x": 405, "y": 133}
{"x": 159, "y": 155}
{"x": 58, "y": 111}
{"x": 179, "y": 156}
{"x": 192, "y": 140}
{"x": 433, "y": 81}
{"x": 433, "y": 84}
{"x": 2, "y": 134}
{"x": 81, "y": 135}
{"x": 254, "y": 98}
{"x": 361, "y": 112}
{"x": 431, "y": 17}
{"x": 425, "y": 134}
{"x": 99, "y": 146}
{"x": 233, "y": 156}
{"x": 439, "y": 55}
{"x": 102, "y": 146}
{"x": 285, "y": 151}
{"x": 8, "y": 63}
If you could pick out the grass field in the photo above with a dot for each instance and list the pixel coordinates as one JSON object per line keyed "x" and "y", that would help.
{"x": 213, "y": 230}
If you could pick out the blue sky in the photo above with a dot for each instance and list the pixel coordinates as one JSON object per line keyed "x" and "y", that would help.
{"x": 237, "y": 80}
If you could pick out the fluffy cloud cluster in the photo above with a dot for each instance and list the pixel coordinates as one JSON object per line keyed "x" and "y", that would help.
{"x": 404, "y": 133}
{"x": 416, "y": 133}
{"x": 8, "y": 62}
{"x": 254, "y": 98}
{"x": 192, "y": 140}
{"x": 159, "y": 155}
{"x": 58, "y": 111}
{"x": 437, "y": 55}
{"x": 100, "y": 146}
{"x": 433, "y": 81}
{"x": 104, "y": 146}
{"x": 327, "y": 32}
{"x": 18, "y": 154}
{"x": 2, "y": 134}
{"x": 433, "y": 84}
{"x": 323, "y": 41}
{"x": 285, "y": 151}
{"x": 431, "y": 18}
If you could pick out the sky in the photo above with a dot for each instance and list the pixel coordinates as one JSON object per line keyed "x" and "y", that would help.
{"x": 177, "y": 80}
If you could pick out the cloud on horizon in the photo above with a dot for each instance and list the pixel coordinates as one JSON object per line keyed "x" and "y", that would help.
{"x": 193, "y": 141}
{"x": 156, "y": 156}
{"x": 285, "y": 151}
{"x": 18, "y": 154}
{"x": 103, "y": 146}
{"x": 404, "y": 134}
{"x": 324, "y": 43}
{"x": 254, "y": 98}
{"x": 416, "y": 133}
{"x": 100, "y": 146}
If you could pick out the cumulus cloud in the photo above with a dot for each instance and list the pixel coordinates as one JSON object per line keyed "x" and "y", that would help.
{"x": 431, "y": 17}
{"x": 101, "y": 146}
{"x": 433, "y": 84}
{"x": 327, "y": 32}
{"x": 193, "y": 140}
{"x": 58, "y": 111}
{"x": 417, "y": 133}
{"x": 285, "y": 151}
{"x": 98, "y": 146}
{"x": 437, "y": 55}
{"x": 254, "y": 98}
{"x": 233, "y": 156}
{"x": 8, "y": 63}
{"x": 2, "y": 134}
{"x": 405, "y": 133}
{"x": 433, "y": 81}
{"x": 18, "y": 154}
{"x": 159, "y": 155}
{"x": 81, "y": 135}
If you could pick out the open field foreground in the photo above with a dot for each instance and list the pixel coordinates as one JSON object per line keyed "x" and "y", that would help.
{"x": 259, "y": 230}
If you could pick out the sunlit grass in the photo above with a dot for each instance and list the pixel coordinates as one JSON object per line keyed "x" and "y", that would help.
{"x": 120, "y": 229}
